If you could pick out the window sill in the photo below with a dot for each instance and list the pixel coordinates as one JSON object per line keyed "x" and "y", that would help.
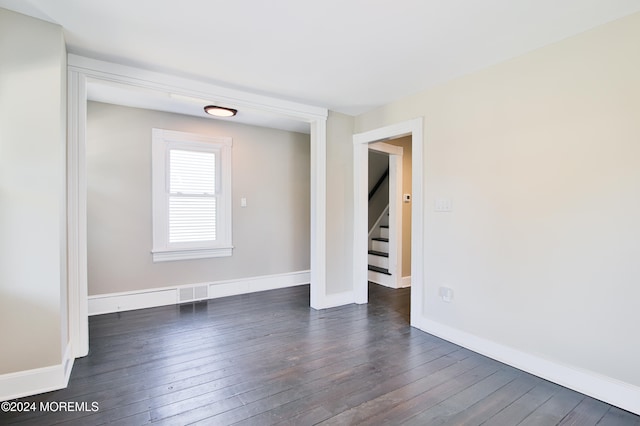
{"x": 170, "y": 255}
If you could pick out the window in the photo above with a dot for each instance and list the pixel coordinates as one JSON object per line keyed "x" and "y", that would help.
{"x": 191, "y": 196}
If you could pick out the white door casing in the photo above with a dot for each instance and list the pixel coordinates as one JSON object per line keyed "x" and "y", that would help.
{"x": 361, "y": 142}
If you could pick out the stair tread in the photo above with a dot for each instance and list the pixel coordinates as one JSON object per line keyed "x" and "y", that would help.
{"x": 379, "y": 269}
{"x": 378, "y": 253}
{"x": 386, "y": 240}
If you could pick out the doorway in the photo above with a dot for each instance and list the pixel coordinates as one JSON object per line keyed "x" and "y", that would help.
{"x": 385, "y": 213}
{"x": 362, "y": 142}
{"x": 84, "y": 71}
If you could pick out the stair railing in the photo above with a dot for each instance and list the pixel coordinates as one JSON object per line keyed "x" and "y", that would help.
{"x": 378, "y": 184}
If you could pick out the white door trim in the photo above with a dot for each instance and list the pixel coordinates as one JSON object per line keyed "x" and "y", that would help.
{"x": 395, "y": 208}
{"x": 361, "y": 143}
{"x": 80, "y": 71}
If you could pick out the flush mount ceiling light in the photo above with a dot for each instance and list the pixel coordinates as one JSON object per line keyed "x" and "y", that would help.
{"x": 219, "y": 111}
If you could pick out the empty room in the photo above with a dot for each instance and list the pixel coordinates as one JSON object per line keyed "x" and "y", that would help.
{"x": 337, "y": 212}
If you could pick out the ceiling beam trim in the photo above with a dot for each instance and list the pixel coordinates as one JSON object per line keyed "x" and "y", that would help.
{"x": 108, "y": 71}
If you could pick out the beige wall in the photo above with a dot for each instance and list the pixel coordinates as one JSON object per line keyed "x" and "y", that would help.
{"x": 339, "y": 203}
{"x": 33, "y": 310}
{"x": 405, "y": 143}
{"x": 270, "y": 168}
{"x": 541, "y": 158}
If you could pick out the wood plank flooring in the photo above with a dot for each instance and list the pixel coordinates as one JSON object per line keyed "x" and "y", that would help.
{"x": 267, "y": 358}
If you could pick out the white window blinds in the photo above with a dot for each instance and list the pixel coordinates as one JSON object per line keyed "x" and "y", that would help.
{"x": 192, "y": 196}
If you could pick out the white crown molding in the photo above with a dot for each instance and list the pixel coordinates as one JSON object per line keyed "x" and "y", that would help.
{"x": 108, "y": 71}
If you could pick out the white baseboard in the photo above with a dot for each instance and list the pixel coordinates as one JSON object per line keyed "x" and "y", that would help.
{"x": 338, "y": 299}
{"x": 127, "y": 301}
{"x": 388, "y": 280}
{"x": 607, "y": 389}
{"x": 406, "y": 282}
{"x": 382, "y": 279}
{"x": 255, "y": 284}
{"x": 37, "y": 380}
{"x": 149, "y": 298}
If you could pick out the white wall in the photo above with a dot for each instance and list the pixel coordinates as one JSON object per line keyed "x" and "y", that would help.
{"x": 33, "y": 310}
{"x": 540, "y": 156}
{"x": 271, "y": 168}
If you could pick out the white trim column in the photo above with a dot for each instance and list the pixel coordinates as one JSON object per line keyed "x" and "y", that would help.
{"x": 77, "y": 213}
{"x": 318, "y": 214}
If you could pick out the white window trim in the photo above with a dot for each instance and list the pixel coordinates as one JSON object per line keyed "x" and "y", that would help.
{"x": 163, "y": 250}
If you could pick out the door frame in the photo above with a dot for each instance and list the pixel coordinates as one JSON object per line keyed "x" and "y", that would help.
{"x": 361, "y": 142}
{"x": 81, "y": 71}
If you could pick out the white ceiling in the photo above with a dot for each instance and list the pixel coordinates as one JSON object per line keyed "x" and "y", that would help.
{"x": 346, "y": 55}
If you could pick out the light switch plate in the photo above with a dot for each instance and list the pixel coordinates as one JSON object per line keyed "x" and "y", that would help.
{"x": 443, "y": 205}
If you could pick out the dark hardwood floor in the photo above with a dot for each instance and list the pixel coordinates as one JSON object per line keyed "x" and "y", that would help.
{"x": 267, "y": 358}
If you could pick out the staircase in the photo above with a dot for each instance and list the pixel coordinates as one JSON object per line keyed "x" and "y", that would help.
{"x": 379, "y": 252}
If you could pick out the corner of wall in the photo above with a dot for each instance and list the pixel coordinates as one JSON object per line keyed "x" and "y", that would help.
{"x": 37, "y": 380}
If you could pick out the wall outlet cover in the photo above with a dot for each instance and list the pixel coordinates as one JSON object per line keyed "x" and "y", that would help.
{"x": 446, "y": 294}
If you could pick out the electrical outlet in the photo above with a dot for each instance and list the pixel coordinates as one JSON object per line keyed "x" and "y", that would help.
{"x": 446, "y": 294}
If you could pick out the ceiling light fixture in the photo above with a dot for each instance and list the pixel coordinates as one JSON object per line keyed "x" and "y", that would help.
{"x": 219, "y": 111}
